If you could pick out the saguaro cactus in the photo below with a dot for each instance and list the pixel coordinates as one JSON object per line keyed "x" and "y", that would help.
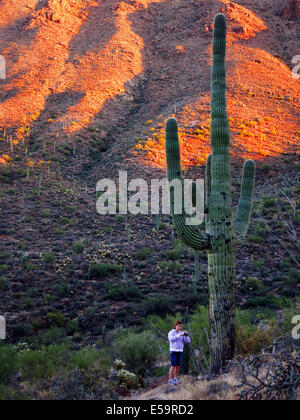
{"x": 222, "y": 229}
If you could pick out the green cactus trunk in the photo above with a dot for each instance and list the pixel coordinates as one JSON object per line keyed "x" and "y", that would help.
{"x": 221, "y": 230}
{"x": 221, "y": 255}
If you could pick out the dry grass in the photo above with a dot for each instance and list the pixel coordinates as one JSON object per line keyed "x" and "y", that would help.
{"x": 222, "y": 388}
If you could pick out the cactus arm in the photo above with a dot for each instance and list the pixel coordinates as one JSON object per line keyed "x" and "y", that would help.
{"x": 242, "y": 220}
{"x": 190, "y": 235}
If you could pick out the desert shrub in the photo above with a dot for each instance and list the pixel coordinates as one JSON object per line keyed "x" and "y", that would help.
{"x": 102, "y": 269}
{"x": 48, "y": 257}
{"x": 293, "y": 276}
{"x": 138, "y": 351}
{"x": 43, "y": 363}
{"x": 284, "y": 302}
{"x": 71, "y": 209}
{"x": 84, "y": 359}
{"x": 162, "y": 226}
{"x": 53, "y": 335}
{"x": 78, "y": 248}
{"x": 157, "y": 304}
{"x": 193, "y": 298}
{"x": 72, "y": 327}
{"x": 9, "y": 393}
{"x": 250, "y": 340}
{"x": 256, "y": 238}
{"x": 253, "y": 283}
{"x": 3, "y": 283}
{"x": 48, "y": 299}
{"x": 122, "y": 292}
{"x": 45, "y": 213}
{"x": 56, "y": 318}
{"x": 28, "y": 303}
{"x": 8, "y": 363}
{"x": 144, "y": 253}
{"x": 258, "y": 264}
{"x": 65, "y": 221}
{"x": 174, "y": 254}
{"x": 173, "y": 266}
{"x": 61, "y": 289}
{"x": 259, "y": 228}
{"x": 81, "y": 385}
{"x": 264, "y": 301}
{"x": 269, "y": 202}
{"x": 4, "y": 255}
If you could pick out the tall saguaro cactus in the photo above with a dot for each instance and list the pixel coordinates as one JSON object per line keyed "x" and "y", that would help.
{"x": 222, "y": 229}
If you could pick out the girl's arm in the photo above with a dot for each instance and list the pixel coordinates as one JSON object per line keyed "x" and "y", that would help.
{"x": 187, "y": 339}
{"x": 172, "y": 336}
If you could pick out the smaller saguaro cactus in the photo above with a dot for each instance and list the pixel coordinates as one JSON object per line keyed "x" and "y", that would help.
{"x": 222, "y": 230}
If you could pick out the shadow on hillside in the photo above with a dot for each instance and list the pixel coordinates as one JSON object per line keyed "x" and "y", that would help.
{"x": 99, "y": 27}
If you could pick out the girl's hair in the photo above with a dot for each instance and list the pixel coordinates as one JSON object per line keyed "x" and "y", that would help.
{"x": 177, "y": 323}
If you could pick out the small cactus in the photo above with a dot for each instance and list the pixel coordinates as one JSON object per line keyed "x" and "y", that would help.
{"x": 222, "y": 231}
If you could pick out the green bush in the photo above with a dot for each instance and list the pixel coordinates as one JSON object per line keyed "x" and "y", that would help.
{"x": 46, "y": 213}
{"x": 253, "y": 283}
{"x": 85, "y": 358}
{"x": 8, "y": 363}
{"x": 157, "y": 304}
{"x": 3, "y": 267}
{"x": 293, "y": 276}
{"x": 101, "y": 269}
{"x": 28, "y": 303}
{"x": 79, "y": 385}
{"x": 61, "y": 289}
{"x": 48, "y": 257}
{"x": 268, "y": 301}
{"x": 3, "y": 283}
{"x": 53, "y": 335}
{"x": 162, "y": 226}
{"x": 144, "y": 253}
{"x": 72, "y": 327}
{"x": 174, "y": 254}
{"x": 44, "y": 363}
{"x": 173, "y": 266}
{"x": 8, "y": 393}
{"x": 122, "y": 292}
{"x": 257, "y": 263}
{"x": 138, "y": 351}
{"x": 260, "y": 228}
{"x": 269, "y": 202}
{"x": 78, "y": 248}
{"x": 256, "y": 238}
{"x": 250, "y": 340}
{"x": 56, "y": 318}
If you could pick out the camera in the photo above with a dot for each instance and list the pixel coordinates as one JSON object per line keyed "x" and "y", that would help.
{"x": 186, "y": 334}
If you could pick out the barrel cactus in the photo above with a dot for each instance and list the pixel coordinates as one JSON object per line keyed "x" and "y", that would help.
{"x": 222, "y": 229}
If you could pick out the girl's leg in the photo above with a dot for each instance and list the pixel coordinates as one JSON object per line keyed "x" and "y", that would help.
{"x": 176, "y": 373}
{"x": 172, "y": 372}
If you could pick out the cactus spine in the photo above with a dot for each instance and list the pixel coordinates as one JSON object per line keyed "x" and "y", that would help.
{"x": 222, "y": 230}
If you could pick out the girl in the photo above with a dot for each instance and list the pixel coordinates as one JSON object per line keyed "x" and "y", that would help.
{"x": 177, "y": 338}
